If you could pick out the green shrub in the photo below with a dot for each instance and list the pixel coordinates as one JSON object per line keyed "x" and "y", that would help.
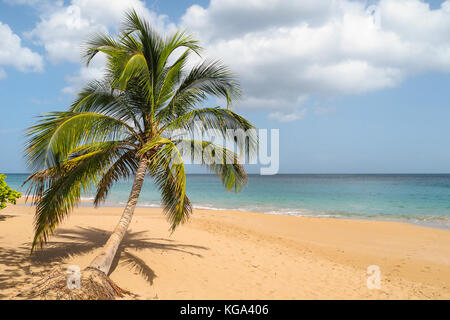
{"x": 6, "y": 193}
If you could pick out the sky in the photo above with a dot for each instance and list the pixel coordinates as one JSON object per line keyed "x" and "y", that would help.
{"x": 353, "y": 86}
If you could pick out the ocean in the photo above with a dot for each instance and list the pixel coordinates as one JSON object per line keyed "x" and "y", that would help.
{"x": 417, "y": 198}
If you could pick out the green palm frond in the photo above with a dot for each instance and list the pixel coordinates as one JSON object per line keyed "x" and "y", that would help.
{"x": 212, "y": 78}
{"x": 172, "y": 76}
{"x": 219, "y": 160}
{"x": 178, "y": 40}
{"x": 152, "y": 43}
{"x": 53, "y": 138}
{"x": 99, "y": 97}
{"x": 136, "y": 66}
{"x": 167, "y": 169}
{"x": 209, "y": 78}
{"x": 123, "y": 168}
{"x": 222, "y": 123}
{"x": 99, "y": 42}
{"x": 60, "y": 188}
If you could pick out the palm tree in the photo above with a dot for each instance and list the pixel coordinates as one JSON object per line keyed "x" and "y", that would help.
{"x": 127, "y": 125}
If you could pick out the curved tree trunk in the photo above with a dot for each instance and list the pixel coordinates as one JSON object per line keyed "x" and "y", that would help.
{"x": 104, "y": 260}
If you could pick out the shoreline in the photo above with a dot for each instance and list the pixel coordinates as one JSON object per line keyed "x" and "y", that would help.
{"x": 433, "y": 221}
{"x": 238, "y": 255}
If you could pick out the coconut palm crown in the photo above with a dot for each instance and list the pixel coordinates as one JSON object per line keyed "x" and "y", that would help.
{"x": 124, "y": 126}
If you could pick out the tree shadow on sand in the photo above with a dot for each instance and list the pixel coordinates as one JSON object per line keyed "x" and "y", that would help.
{"x": 67, "y": 243}
{"x": 3, "y": 217}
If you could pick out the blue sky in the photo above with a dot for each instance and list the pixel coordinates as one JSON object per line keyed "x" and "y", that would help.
{"x": 359, "y": 87}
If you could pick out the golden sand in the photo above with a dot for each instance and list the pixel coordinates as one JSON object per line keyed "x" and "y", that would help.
{"x": 236, "y": 255}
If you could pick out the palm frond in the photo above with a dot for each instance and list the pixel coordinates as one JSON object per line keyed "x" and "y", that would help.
{"x": 171, "y": 77}
{"x": 223, "y": 123}
{"x": 210, "y": 77}
{"x": 124, "y": 168}
{"x": 167, "y": 169}
{"x": 100, "y": 97}
{"x": 53, "y": 138}
{"x": 219, "y": 160}
{"x": 98, "y": 42}
{"x": 58, "y": 189}
{"x": 178, "y": 40}
{"x": 152, "y": 43}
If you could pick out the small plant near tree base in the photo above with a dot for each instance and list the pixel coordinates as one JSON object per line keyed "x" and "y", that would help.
{"x": 6, "y": 193}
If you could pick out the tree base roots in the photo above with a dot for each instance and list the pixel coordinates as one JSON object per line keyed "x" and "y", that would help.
{"x": 58, "y": 285}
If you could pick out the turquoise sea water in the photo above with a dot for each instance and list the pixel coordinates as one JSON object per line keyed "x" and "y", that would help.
{"x": 423, "y": 199}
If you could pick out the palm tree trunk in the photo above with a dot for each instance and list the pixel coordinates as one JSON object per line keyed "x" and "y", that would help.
{"x": 104, "y": 260}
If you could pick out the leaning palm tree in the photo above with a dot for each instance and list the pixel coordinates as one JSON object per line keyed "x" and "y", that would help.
{"x": 128, "y": 124}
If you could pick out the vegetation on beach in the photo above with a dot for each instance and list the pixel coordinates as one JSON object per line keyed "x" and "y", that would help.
{"x": 6, "y": 193}
{"x": 125, "y": 125}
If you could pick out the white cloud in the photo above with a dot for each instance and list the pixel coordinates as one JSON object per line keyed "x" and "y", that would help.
{"x": 13, "y": 54}
{"x": 63, "y": 28}
{"x": 286, "y": 50}
{"x": 287, "y": 117}
{"x": 84, "y": 75}
{"x": 232, "y": 18}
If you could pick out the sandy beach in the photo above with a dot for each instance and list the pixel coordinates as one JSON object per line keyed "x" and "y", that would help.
{"x": 236, "y": 255}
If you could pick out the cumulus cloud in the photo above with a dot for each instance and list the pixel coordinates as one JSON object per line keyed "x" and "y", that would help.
{"x": 285, "y": 51}
{"x": 287, "y": 117}
{"x": 13, "y": 54}
{"x": 63, "y": 27}
{"x": 84, "y": 75}
{"x": 288, "y": 50}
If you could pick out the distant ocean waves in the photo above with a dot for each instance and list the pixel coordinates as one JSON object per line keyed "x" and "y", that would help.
{"x": 421, "y": 199}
